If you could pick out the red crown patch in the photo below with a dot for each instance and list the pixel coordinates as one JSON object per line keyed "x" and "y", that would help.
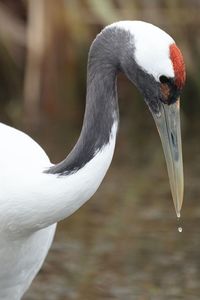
{"x": 178, "y": 65}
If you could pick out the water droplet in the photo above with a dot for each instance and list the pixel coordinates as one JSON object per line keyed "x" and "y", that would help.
{"x": 180, "y": 229}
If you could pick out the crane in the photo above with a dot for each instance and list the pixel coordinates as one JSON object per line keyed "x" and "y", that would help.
{"x": 36, "y": 194}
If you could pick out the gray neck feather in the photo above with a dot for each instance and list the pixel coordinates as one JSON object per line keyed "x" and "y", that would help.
{"x": 101, "y": 102}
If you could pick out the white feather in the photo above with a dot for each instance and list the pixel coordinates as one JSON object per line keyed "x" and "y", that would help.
{"x": 151, "y": 46}
{"x": 31, "y": 202}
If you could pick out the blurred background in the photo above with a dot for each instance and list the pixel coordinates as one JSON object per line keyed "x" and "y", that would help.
{"x": 124, "y": 243}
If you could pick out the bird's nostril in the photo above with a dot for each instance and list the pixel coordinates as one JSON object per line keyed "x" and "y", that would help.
{"x": 175, "y": 147}
{"x": 172, "y": 137}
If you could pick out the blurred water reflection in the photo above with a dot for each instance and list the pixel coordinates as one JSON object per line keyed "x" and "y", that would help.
{"x": 124, "y": 243}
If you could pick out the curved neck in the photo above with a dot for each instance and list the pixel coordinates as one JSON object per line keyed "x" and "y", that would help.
{"x": 101, "y": 111}
{"x": 77, "y": 178}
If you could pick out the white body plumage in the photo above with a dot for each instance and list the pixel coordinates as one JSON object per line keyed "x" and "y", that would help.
{"x": 31, "y": 202}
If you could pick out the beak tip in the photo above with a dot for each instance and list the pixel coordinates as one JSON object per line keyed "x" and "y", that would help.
{"x": 178, "y": 213}
{"x": 178, "y": 206}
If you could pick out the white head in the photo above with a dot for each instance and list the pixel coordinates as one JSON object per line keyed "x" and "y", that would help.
{"x": 151, "y": 45}
{"x": 155, "y": 51}
{"x": 151, "y": 60}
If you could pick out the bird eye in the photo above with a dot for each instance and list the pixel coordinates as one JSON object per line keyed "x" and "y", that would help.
{"x": 164, "y": 79}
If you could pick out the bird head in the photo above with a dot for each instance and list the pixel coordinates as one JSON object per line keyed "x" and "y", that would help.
{"x": 154, "y": 63}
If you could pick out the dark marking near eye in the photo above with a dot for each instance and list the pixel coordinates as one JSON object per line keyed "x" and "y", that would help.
{"x": 165, "y": 90}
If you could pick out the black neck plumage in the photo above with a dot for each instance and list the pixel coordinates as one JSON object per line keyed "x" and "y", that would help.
{"x": 101, "y": 110}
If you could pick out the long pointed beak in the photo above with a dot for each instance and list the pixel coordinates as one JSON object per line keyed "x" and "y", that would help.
{"x": 168, "y": 124}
